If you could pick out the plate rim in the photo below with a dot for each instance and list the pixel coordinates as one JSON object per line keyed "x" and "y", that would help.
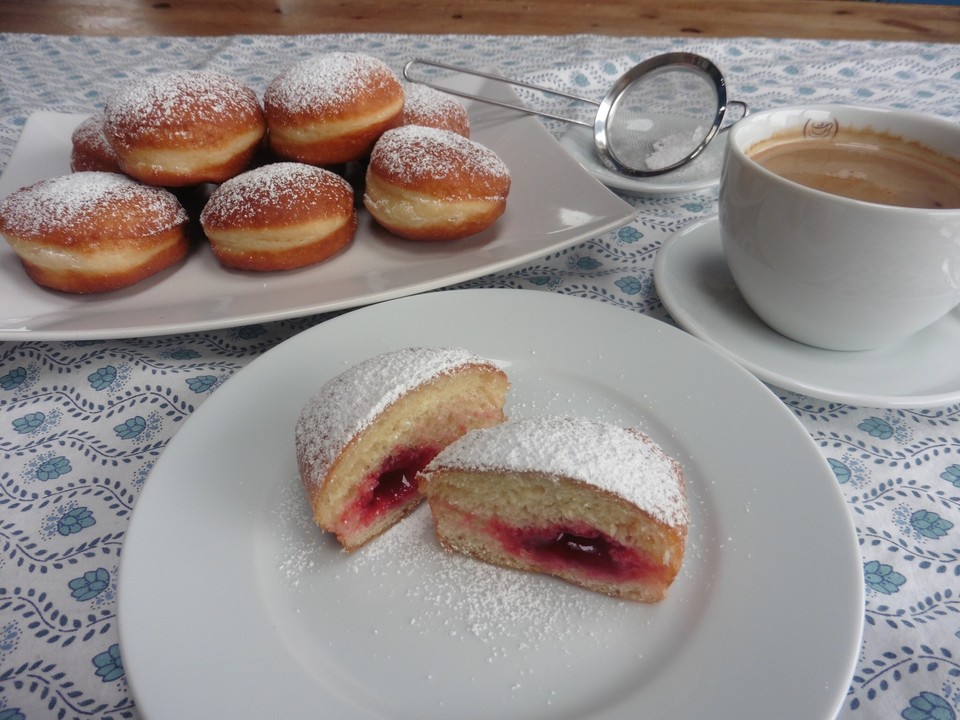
{"x": 134, "y": 533}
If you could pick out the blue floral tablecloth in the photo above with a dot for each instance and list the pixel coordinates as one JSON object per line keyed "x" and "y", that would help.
{"x": 82, "y": 423}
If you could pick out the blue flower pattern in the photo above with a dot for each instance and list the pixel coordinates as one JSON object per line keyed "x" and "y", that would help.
{"x": 75, "y": 520}
{"x": 108, "y": 664}
{"x": 952, "y": 475}
{"x": 131, "y": 429}
{"x": 102, "y": 378}
{"x": 53, "y": 468}
{"x": 28, "y": 423}
{"x": 13, "y": 379}
{"x": 90, "y": 440}
{"x": 202, "y": 383}
{"x": 928, "y": 706}
{"x": 89, "y": 585}
{"x": 882, "y": 578}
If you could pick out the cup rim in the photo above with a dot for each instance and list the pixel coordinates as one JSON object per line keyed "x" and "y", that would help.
{"x": 738, "y": 128}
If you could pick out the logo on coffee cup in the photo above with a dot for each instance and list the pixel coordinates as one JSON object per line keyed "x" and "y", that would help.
{"x": 820, "y": 129}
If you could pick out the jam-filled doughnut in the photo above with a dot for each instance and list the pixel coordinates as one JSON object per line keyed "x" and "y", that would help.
{"x": 600, "y": 506}
{"x": 280, "y": 216}
{"x": 184, "y": 127}
{"x": 93, "y": 231}
{"x": 362, "y": 437}
{"x": 90, "y": 149}
{"x": 330, "y": 109}
{"x": 427, "y": 107}
{"x": 429, "y": 184}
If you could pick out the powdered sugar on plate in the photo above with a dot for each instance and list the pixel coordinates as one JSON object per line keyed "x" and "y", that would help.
{"x": 454, "y": 596}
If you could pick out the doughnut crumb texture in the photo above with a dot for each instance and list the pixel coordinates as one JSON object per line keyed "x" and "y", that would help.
{"x": 429, "y": 184}
{"x": 361, "y": 439}
{"x": 597, "y": 505}
{"x": 279, "y": 217}
{"x": 93, "y": 231}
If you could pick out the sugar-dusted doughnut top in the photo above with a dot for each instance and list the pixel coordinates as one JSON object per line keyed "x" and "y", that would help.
{"x": 352, "y": 401}
{"x": 622, "y": 461}
{"x": 439, "y": 163}
{"x": 428, "y": 107}
{"x": 285, "y": 193}
{"x": 334, "y": 86}
{"x": 86, "y": 207}
{"x": 187, "y": 107}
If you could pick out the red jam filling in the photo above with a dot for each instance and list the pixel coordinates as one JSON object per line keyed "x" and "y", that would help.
{"x": 582, "y": 549}
{"x": 394, "y": 483}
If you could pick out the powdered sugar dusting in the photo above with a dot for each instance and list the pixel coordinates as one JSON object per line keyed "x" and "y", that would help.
{"x": 333, "y": 80}
{"x": 457, "y": 597}
{"x": 79, "y": 199}
{"x": 348, "y": 403}
{"x": 88, "y": 138}
{"x": 292, "y": 186}
{"x": 494, "y": 603}
{"x": 618, "y": 460}
{"x": 425, "y": 106}
{"x": 176, "y": 101}
{"x": 415, "y": 151}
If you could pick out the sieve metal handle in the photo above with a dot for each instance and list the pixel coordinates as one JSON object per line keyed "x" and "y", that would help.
{"x": 744, "y": 111}
{"x": 496, "y": 78}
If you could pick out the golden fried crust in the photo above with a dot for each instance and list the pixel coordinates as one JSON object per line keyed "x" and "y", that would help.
{"x": 428, "y": 107}
{"x": 128, "y": 268}
{"x": 332, "y": 108}
{"x": 90, "y": 149}
{"x": 434, "y": 185}
{"x": 184, "y": 128}
{"x": 279, "y": 217}
{"x": 439, "y": 163}
{"x": 93, "y": 231}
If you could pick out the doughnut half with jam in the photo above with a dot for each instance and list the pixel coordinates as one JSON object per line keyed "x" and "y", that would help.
{"x": 600, "y": 506}
{"x": 362, "y": 438}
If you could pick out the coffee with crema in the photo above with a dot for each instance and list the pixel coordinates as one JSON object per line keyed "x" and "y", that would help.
{"x": 863, "y": 165}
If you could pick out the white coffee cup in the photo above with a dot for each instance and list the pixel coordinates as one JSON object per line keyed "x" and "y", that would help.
{"x": 827, "y": 270}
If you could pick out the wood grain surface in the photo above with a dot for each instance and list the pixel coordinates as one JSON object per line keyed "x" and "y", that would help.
{"x": 851, "y": 19}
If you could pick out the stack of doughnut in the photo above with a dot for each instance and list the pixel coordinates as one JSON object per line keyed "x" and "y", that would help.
{"x": 263, "y": 181}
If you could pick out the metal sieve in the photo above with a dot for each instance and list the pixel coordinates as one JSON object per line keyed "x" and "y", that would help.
{"x": 657, "y": 117}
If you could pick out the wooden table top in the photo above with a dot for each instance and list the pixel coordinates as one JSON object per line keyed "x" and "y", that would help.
{"x": 851, "y": 19}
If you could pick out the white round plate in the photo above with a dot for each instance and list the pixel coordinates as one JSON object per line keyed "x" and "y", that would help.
{"x": 233, "y": 604}
{"x": 697, "y": 289}
{"x": 700, "y": 174}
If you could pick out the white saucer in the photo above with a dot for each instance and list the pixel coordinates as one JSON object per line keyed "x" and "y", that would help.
{"x": 697, "y": 289}
{"x": 699, "y": 174}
